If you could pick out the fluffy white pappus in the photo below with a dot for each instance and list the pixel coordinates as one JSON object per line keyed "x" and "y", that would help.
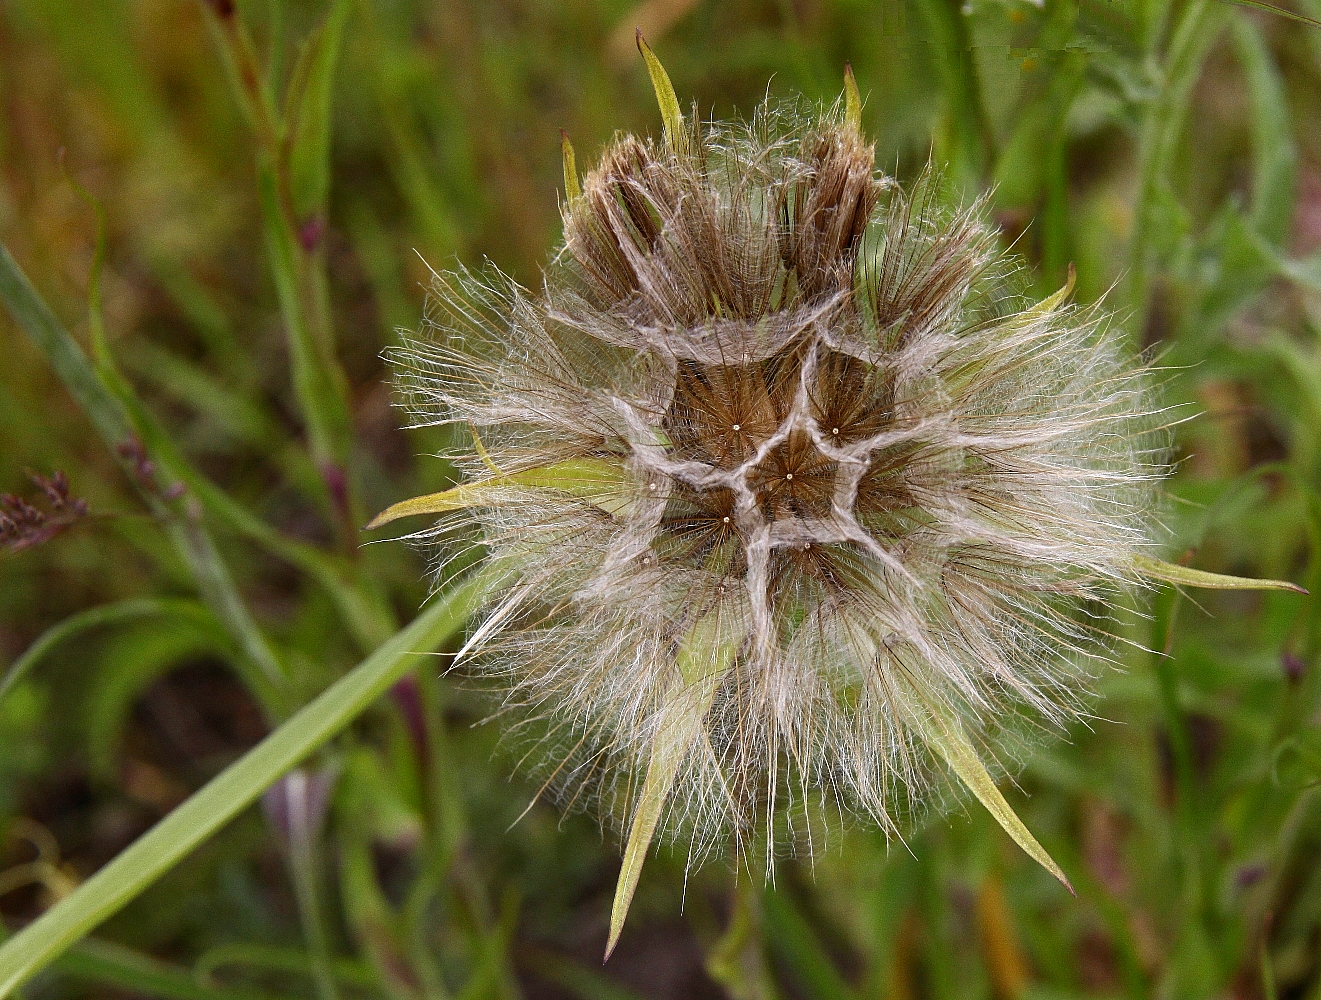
{"x": 766, "y": 395}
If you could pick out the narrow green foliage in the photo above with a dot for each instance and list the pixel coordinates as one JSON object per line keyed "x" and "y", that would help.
{"x": 798, "y": 946}
{"x": 1162, "y": 126}
{"x": 124, "y": 426}
{"x": 32, "y": 314}
{"x": 307, "y": 111}
{"x": 946, "y": 738}
{"x": 1271, "y": 8}
{"x": 113, "y": 965}
{"x": 107, "y": 614}
{"x": 349, "y": 973}
{"x": 233, "y": 790}
{"x": 1274, "y": 154}
{"x": 963, "y": 137}
{"x": 313, "y": 375}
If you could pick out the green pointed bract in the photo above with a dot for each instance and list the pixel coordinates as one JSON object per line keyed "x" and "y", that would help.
{"x": 852, "y": 99}
{"x": 675, "y": 133}
{"x": 1182, "y": 576}
{"x": 572, "y": 189}
{"x": 702, "y": 662}
{"x": 944, "y": 734}
{"x": 599, "y": 482}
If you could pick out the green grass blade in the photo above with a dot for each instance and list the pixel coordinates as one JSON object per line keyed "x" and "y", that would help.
{"x": 308, "y": 115}
{"x": 65, "y": 355}
{"x": 1162, "y": 127}
{"x": 963, "y": 137}
{"x": 234, "y": 789}
{"x": 797, "y": 945}
{"x": 315, "y": 385}
{"x": 1274, "y": 154}
{"x": 106, "y": 614}
{"x": 113, "y": 965}
{"x": 260, "y": 958}
{"x": 576, "y": 979}
{"x": 117, "y": 416}
{"x": 1271, "y": 8}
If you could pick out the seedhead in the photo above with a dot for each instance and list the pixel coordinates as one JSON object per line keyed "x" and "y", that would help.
{"x": 798, "y": 496}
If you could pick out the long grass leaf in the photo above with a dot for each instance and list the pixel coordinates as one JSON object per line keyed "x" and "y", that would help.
{"x": 105, "y": 614}
{"x": 158, "y": 850}
{"x": 1274, "y": 153}
{"x": 798, "y": 946}
{"x": 115, "y": 413}
{"x": 114, "y": 965}
{"x": 308, "y": 114}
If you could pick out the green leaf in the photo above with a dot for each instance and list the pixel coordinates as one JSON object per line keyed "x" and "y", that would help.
{"x": 963, "y": 137}
{"x": 308, "y": 114}
{"x": 65, "y": 355}
{"x": 315, "y": 385}
{"x": 1271, "y": 8}
{"x": 1162, "y": 127}
{"x": 589, "y": 479}
{"x": 574, "y": 977}
{"x": 129, "y": 663}
{"x": 949, "y": 741}
{"x": 119, "y": 416}
{"x": 114, "y": 965}
{"x": 106, "y": 614}
{"x": 1185, "y": 577}
{"x": 703, "y": 660}
{"x": 671, "y": 115}
{"x": 351, "y": 972}
{"x": 799, "y": 947}
{"x": 1022, "y": 170}
{"x": 154, "y": 853}
{"x": 1274, "y": 155}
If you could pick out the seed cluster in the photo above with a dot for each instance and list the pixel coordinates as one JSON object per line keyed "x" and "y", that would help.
{"x": 821, "y": 415}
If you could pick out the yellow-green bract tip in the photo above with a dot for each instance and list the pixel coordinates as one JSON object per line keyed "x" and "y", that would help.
{"x": 1185, "y": 577}
{"x": 598, "y": 482}
{"x": 947, "y": 738}
{"x": 852, "y": 99}
{"x": 675, "y": 134}
{"x": 703, "y": 660}
{"x": 572, "y": 189}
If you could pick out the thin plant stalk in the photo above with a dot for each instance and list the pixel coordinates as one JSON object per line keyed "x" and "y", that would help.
{"x": 235, "y": 788}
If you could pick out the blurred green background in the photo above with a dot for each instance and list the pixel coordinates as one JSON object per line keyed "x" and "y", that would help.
{"x": 275, "y": 179}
